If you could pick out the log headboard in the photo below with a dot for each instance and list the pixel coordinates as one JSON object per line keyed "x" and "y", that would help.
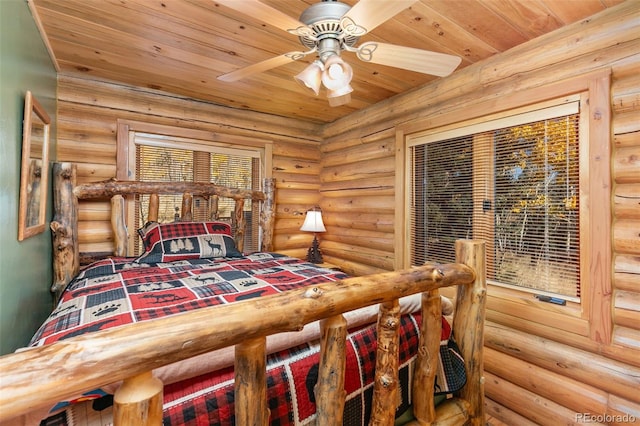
{"x": 41, "y": 376}
{"x": 64, "y": 226}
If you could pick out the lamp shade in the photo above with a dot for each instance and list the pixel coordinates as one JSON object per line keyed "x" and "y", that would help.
{"x": 311, "y": 76}
{"x": 341, "y": 96}
{"x": 313, "y": 222}
{"x": 337, "y": 73}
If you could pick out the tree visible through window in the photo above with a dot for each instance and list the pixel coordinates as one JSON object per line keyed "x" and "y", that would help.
{"x": 516, "y": 187}
{"x": 158, "y": 158}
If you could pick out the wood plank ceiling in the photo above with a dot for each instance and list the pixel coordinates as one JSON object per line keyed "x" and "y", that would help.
{"x": 182, "y": 46}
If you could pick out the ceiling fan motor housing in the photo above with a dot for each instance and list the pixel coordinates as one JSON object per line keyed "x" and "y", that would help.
{"x": 324, "y": 20}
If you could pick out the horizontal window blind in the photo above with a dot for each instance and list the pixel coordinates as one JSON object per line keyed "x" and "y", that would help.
{"x": 512, "y": 182}
{"x": 167, "y": 159}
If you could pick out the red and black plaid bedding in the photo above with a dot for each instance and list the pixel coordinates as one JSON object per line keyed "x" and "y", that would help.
{"x": 117, "y": 291}
{"x": 291, "y": 376}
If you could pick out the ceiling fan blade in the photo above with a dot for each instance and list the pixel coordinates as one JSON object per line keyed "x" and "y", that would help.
{"x": 262, "y": 66}
{"x": 265, "y": 13}
{"x": 408, "y": 58}
{"x": 365, "y": 15}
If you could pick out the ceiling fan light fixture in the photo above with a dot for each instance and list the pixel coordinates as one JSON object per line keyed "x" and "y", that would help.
{"x": 339, "y": 100}
{"x": 311, "y": 76}
{"x": 337, "y": 73}
{"x": 340, "y": 96}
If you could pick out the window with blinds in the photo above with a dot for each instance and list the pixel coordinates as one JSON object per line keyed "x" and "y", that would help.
{"x": 167, "y": 159}
{"x": 513, "y": 182}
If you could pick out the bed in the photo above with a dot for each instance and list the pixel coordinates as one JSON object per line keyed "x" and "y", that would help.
{"x": 196, "y": 331}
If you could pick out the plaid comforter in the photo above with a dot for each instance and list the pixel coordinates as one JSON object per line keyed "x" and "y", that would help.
{"x": 117, "y": 291}
{"x": 291, "y": 376}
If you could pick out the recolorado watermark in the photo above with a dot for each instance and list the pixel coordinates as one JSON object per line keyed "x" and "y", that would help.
{"x": 604, "y": 418}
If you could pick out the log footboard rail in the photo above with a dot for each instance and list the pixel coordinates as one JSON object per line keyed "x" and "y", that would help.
{"x": 40, "y": 377}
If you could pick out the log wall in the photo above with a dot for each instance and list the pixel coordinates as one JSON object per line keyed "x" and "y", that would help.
{"x": 535, "y": 374}
{"x": 88, "y": 112}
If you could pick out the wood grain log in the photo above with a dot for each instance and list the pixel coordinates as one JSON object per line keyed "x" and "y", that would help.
{"x": 627, "y": 200}
{"x": 628, "y": 339}
{"x": 97, "y": 210}
{"x": 119, "y": 100}
{"x": 96, "y": 232}
{"x": 110, "y": 355}
{"x": 626, "y": 163}
{"x": 349, "y": 187}
{"x": 626, "y": 239}
{"x": 386, "y": 396}
{"x": 426, "y": 365}
{"x": 118, "y": 226}
{"x": 366, "y": 221}
{"x": 371, "y": 239}
{"x": 530, "y": 405}
{"x": 239, "y": 224}
{"x": 627, "y": 308}
{"x": 622, "y": 140}
{"x": 112, "y": 187}
{"x": 64, "y": 228}
{"x": 268, "y": 214}
{"x": 154, "y": 206}
{"x": 587, "y": 367}
{"x": 214, "y": 212}
{"x": 627, "y": 273}
{"x": 469, "y": 323}
{"x": 138, "y": 401}
{"x": 627, "y": 122}
{"x": 186, "y": 211}
{"x": 505, "y": 415}
{"x": 567, "y": 392}
{"x": 251, "y": 382}
{"x": 329, "y": 390}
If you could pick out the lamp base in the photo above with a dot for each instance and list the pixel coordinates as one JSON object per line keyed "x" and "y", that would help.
{"x": 314, "y": 255}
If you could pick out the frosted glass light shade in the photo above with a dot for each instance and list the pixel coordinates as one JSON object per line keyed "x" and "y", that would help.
{"x": 313, "y": 222}
{"x": 311, "y": 76}
{"x": 337, "y": 73}
{"x": 339, "y": 97}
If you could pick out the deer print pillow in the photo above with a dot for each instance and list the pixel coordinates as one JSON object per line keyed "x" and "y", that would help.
{"x": 168, "y": 242}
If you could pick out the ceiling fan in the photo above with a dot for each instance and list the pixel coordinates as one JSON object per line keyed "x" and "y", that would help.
{"x": 327, "y": 29}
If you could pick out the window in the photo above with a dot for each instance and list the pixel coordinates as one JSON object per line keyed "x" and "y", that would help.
{"x": 161, "y": 153}
{"x": 559, "y": 213}
{"x": 512, "y": 182}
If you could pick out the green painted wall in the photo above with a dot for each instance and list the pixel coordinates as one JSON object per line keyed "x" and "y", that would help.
{"x": 25, "y": 267}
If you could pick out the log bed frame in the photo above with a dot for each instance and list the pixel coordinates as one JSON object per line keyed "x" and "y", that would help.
{"x": 41, "y": 376}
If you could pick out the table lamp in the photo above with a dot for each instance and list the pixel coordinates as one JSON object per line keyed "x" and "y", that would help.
{"x": 313, "y": 223}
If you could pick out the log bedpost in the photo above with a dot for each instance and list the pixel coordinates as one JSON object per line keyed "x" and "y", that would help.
{"x": 118, "y": 226}
{"x": 64, "y": 227}
{"x": 239, "y": 223}
{"x": 138, "y": 401}
{"x": 213, "y": 207}
{"x": 268, "y": 214}
{"x": 469, "y": 315}
{"x": 186, "y": 213}
{"x": 386, "y": 395}
{"x": 329, "y": 391}
{"x": 427, "y": 359}
{"x": 251, "y": 382}
{"x": 154, "y": 207}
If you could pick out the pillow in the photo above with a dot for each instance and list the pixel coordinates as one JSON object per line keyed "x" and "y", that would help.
{"x": 169, "y": 242}
{"x": 153, "y": 232}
